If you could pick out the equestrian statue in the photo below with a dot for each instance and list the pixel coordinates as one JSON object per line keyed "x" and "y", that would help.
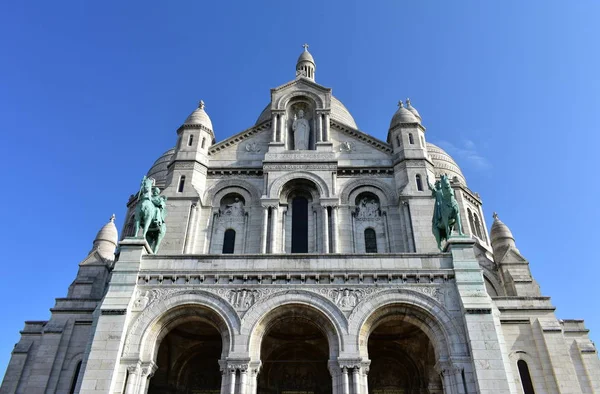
{"x": 446, "y": 214}
{"x": 150, "y": 213}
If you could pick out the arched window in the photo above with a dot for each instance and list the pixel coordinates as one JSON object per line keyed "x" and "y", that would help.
{"x": 525, "y": 377}
{"x": 477, "y": 225}
{"x": 181, "y": 184}
{"x": 299, "y": 225}
{"x": 229, "y": 241}
{"x": 411, "y": 140}
{"x": 203, "y": 142}
{"x": 75, "y": 377}
{"x": 370, "y": 241}
{"x": 190, "y": 139}
{"x": 471, "y": 225}
{"x": 419, "y": 183}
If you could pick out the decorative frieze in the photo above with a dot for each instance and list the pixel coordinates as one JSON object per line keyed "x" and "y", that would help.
{"x": 300, "y": 166}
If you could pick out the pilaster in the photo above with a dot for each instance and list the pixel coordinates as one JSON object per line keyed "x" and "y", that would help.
{"x": 484, "y": 336}
{"x": 102, "y": 373}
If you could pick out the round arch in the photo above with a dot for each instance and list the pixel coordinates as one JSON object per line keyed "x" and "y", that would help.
{"x": 413, "y": 307}
{"x": 167, "y": 312}
{"x": 283, "y": 101}
{"x": 277, "y": 186}
{"x": 214, "y": 194}
{"x": 311, "y": 306}
{"x": 385, "y": 193}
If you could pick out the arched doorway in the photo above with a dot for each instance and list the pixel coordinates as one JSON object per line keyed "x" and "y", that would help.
{"x": 402, "y": 360}
{"x": 187, "y": 360}
{"x": 294, "y": 354}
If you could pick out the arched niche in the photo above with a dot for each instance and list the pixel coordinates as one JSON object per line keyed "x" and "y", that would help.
{"x": 300, "y": 107}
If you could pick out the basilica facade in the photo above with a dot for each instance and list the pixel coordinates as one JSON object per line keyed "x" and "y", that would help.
{"x": 297, "y": 257}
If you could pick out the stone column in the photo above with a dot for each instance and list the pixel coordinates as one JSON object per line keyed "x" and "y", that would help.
{"x": 346, "y": 384}
{"x": 274, "y": 120}
{"x": 334, "y": 234}
{"x": 148, "y": 370}
{"x": 282, "y": 129}
{"x": 356, "y": 379}
{"x": 325, "y": 218}
{"x": 274, "y": 219}
{"x": 190, "y": 233}
{"x": 366, "y": 379}
{"x": 254, "y": 368}
{"x": 132, "y": 379}
{"x": 243, "y": 380}
{"x": 283, "y": 234}
{"x": 263, "y": 245}
{"x": 232, "y": 380}
{"x": 320, "y": 127}
{"x": 326, "y": 131}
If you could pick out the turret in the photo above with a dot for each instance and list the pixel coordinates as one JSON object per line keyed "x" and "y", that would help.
{"x": 305, "y": 66}
{"x": 94, "y": 269}
{"x": 514, "y": 268}
{"x": 106, "y": 240}
{"x": 407, "y": 137}
{"x": 187, "y": 170}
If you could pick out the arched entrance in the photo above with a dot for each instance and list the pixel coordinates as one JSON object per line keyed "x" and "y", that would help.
{"x": 294, "y": 353}
{"x": 402, "y": 360}
{"x": 187, "y": 360}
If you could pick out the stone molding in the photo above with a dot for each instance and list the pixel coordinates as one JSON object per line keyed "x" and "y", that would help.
{"x": 300, "y": 166}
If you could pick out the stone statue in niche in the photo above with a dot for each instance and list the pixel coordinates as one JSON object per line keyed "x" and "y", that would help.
{"x": 301, "y": 129}
{"x": 368, "y": 208}
{"x": 236, "y": 208}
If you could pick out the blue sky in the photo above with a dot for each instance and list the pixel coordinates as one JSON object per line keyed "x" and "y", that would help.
{"x": 91, "y": 93}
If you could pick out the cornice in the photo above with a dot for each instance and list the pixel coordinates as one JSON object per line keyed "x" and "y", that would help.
{"x": 382, "y": 146}
{"x": 239, "y": 137}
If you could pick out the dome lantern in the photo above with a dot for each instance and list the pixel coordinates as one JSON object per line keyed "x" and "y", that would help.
{"x": 305, "y": 66}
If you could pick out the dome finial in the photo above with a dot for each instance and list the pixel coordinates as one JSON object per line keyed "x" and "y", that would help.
{"x": 112, "y": 218}
{"x": 495, "y": 216}
{"x": 201, "y": 104}
{"x": 400, "y": 104}
{"x": 408, "y": 102}
{"x": 305, "y": 46}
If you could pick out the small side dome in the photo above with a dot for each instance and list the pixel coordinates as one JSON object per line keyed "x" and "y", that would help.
{"x": 160, "y": 168}
{"x": 443, "y": 163}
{"x": 106, "y": 239}
{"x": 413, "y": 110}
{"x": 199, "y": 118}
{"x": 402, "y": 116}
{"x": 306, "y": 56}
{"x": 500, "y": 234}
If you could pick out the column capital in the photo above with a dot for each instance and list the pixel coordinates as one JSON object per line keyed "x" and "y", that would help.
{"x": 447, "y": 368}
{"x": 148, "y": 368}
{"x": 134, "y": 368}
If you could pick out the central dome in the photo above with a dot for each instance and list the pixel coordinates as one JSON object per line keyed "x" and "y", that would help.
{"x": 339, "y": 113}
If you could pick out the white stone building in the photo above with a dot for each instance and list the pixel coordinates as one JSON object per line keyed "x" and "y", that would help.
{"x": 299, "y": 259}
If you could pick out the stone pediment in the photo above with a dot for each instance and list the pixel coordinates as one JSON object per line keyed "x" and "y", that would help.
{"x": 341, "y": 133}
{"x": 247, "y": 146}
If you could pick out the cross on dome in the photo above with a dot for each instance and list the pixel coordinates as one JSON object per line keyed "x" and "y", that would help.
{"x": 305, "y": 46}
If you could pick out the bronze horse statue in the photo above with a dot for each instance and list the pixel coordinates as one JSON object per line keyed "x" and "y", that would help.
{"x": 446, "y": 213}
{"x": 150, "y": 214}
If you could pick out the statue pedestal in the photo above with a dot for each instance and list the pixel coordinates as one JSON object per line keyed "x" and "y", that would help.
{"x": 324, "y": 146}
{"x": 458, "y": 240}
{"x": 276, "y": 147}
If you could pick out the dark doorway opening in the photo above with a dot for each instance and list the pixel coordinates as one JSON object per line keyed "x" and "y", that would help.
{"x": 299, "y": 225}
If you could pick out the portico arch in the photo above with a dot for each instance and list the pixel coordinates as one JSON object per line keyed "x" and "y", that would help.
{"x": 168, "y": 311}
{"x": 415, "y": 308}
{"x": 277, "y": 186}
{"x": 294, "y": 303}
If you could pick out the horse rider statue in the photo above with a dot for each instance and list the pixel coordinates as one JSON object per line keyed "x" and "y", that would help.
{"x": 446, "y": 214}
{"x": 150, "y": 213}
